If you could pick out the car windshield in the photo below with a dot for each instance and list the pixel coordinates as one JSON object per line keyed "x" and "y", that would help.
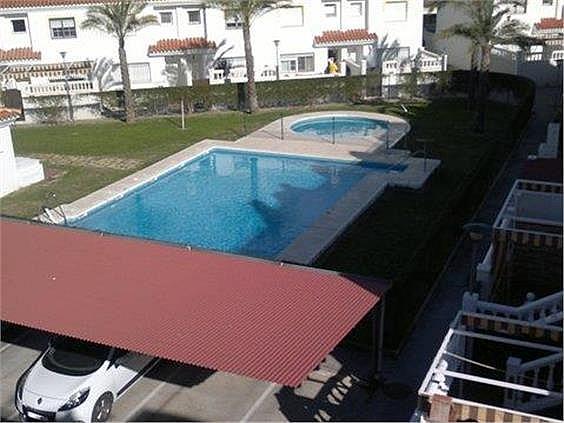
{"x": 73, "y": 357}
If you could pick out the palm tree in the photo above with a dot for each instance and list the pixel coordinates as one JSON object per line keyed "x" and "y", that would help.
{"x": 245, "y": 11}
{"x": 120, "y": 18}
{"x": 487, "y": 23}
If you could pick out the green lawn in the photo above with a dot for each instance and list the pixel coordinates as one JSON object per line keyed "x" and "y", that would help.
{"x": 147, "y": 140}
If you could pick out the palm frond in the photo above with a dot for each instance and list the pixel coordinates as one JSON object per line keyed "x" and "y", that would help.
{"x": 118, "y": 18}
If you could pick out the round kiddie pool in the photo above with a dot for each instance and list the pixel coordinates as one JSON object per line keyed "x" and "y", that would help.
{"x": 340, "y": 126}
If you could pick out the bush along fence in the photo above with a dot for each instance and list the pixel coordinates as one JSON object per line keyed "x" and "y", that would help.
{"x": 414, "y": 283}
{"x": 205, "y": 97}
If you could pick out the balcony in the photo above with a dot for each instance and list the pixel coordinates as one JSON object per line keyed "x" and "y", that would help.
{"x": 495, "y": 368}
{"x": 527, "y": 241}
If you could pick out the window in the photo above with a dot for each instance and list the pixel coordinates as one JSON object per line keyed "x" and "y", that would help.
{"x": 194, "y": 17}
{"x": 292, "y": 16}
{"x": 232, "y": 20}
{"x": 330, "y": 10}
{"x": 139, "y": 72}
{"x": 62, "y": 28}
{"x": 395, "y": 11}
{"x": 356, "y": 9}
{"x": 165, "y": 18}
{"x": 298, "y": 63}
{"x": 18, "y": 25}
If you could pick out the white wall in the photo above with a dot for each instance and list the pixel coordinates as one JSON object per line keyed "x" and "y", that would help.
{"x": 8, "y": 173}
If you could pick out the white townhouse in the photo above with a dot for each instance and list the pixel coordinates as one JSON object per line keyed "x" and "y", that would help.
{"x": 42, "y": 39}
{"x": 544, "y": 20}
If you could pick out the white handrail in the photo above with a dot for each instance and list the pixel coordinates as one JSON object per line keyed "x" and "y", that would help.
{"x": 533, "y": 311}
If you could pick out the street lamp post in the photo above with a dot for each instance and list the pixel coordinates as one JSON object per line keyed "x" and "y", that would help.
{"x": 67, "y": 85}
{"x": 277, "y": 44}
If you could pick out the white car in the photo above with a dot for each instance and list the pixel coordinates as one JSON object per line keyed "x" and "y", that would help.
{"x": 74, "y": 380}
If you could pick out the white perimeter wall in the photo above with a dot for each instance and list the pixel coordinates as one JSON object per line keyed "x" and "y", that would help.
{"x": 8, "y": 173}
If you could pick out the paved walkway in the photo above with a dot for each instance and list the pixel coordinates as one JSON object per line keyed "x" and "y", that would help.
{"x": 412, "y": 364}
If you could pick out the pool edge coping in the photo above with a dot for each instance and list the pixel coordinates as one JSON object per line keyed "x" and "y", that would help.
{"x": 400, "y": 128}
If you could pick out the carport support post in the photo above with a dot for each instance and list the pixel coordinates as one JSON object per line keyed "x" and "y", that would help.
{"x": 377, "y": 339}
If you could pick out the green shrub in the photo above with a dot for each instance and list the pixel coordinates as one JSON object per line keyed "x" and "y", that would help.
{"x": 50, "y": 109}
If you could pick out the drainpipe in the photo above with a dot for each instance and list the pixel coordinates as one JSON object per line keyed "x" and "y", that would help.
{"x": 205, "y": 22}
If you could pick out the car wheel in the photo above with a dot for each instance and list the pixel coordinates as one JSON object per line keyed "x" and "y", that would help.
{"x": 102, "y": 408}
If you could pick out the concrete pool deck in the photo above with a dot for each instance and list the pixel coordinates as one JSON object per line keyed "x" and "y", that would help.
{"x": 316, "y": 239}
{"x": 280, "y": 129}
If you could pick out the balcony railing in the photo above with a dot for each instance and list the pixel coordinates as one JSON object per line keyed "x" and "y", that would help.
{"x": 556, "y": 56}
{"x": 236, "y": 75}
{"x": 57, "y": 88}
{"x": 425, "y": 61}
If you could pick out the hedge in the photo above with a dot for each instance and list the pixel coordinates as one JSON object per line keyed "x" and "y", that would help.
{"x": 230, "y": 96}
{"x": 430, "y": 257}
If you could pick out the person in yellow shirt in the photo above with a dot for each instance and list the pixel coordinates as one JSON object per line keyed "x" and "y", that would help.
{"x": 332, "y": 67}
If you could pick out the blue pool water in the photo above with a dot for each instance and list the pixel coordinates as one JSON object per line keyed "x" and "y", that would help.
{"x": 239, "y": 202}
{"x": 343, "y": 126}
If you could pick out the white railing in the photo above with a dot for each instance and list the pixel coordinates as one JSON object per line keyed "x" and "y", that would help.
{"x": 530, "y": 374}
{"x": 217, "y": 76}
{"x": 556, "y": 56}
{"x": 533, "y": 57}
{"x": 390, "y": 66}
{"x": 424, "y": 64}
{"x": 430, "y": 65}
{"x": 534, "y": 311}
{"x": 57, "y": 88}
{"x": 503, "y": 52}
{"x": 268, "y": 74}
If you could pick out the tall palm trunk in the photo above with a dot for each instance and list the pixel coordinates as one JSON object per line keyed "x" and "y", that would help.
{"x": 252, "y": 102}
{"x": 483, "y": 88}
{"x": 473, "y": 80}
{"x": 126, "y": 82}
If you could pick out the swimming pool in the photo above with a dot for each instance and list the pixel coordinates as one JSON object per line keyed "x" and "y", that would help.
{"x": 241, "y": 202}
{"x": 341, "y": 126}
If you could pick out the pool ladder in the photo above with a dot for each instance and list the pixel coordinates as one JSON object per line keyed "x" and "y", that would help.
{"x": 53, "y": 215}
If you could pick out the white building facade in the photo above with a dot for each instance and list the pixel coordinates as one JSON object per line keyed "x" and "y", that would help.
{"x": 41, "y": 40}
{"x": 544, "y": 20}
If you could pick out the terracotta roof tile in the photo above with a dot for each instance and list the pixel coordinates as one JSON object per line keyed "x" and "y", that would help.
{"x": 8, "y": 114}
{"x": 175, "y": 45}
{"x": 353, "y": 36}
{"x": 550, "y": 23}
{"x": 13, "y": 4}
{"x": 19, "y": 54}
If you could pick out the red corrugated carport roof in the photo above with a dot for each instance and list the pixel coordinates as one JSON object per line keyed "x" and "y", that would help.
{"x": 223, "y": 312}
